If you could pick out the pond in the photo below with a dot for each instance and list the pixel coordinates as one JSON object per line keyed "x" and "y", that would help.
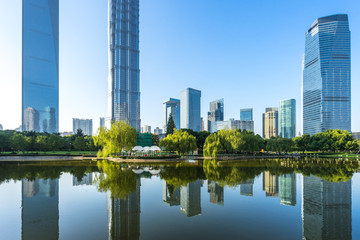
{"x": 252, "y": 199}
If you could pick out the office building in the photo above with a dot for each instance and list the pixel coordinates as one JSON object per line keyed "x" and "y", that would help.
{"x": 124, "y": 72}
{"x": 170, "y": 194}
{"x": 158, "y": 131}
{"x": 1, "y": 127}
{"x": 190, "y": 109}
{"x": 326, "y": 82}
{"x": 171, "y": 106}
{"x": 146, "y": 129}
{"x": 232, "y": 124}
{"x": 326, "y": 209}
{"x": 246, "y": 114}
{"x": 270, "y": 122}
{"x": 87, "y": 179}
{"x": 270, "y": 184}
{"x": 356, "y": 135}
{"x": 190, "y": 199}
{"x": 40, "y": 66}
{"x": 216, "y": 193}
{"x": 288, "y": 189}
{"x": 40, "y": 209}
{"x": 85, "y": 125}
{"x": 102, "y": 122}
{"x": 246, "y": 188}
{"x": 216, "y": 112}
{"x": 287, "y": 118}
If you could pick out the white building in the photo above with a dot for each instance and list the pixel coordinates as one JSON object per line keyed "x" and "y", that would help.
{"x": 86, "y": 125}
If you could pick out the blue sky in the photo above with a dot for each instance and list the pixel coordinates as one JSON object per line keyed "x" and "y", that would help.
{"x": 247, "y": 52}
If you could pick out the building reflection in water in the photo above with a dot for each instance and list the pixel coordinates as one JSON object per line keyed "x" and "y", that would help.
{"x": 86, "y": 180}
{"x": 288, "y": 189}
{"x": 326, "y": 209}
{"x": 40, "y": 209}
{"x": 246, "y": 188}
{"x": 190, "y": 199}
{"x": 216, "y": 193}
{"x": 124, "y": 215}
{"x": 270, "y": 184}
{"x": 170, "y": 195}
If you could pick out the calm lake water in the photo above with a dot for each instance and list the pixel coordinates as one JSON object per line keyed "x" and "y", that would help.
{"x": 277, "y": 199}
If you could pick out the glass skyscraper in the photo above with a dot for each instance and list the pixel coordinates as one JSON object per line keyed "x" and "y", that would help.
{"x": 40, "y": 65}
{"x": 327, "y": 75}
{"x": 216, "y": 112}
{"x": 124, "y": 72}
{"x": 246, "y": 114}
{"x": 288, "y": 118}
{"x": 190, "y": 109}
{"x": 172, "y": 106}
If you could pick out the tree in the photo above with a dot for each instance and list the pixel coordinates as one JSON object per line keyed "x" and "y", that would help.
{"x": 18, "y": 142}
{"x": 80, "y": 143}
{"x": 155, "y": 139}
{"x": 180, "y": 142}
{"x": 212, "y": 146}
{"x": 120, "y": 137}
{"x": 170, "y": 127}
{"x": 42, "y": 143}
{"x": 55, "y": 142}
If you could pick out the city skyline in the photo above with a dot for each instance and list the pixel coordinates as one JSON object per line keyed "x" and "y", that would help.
{"x": 234, "y": 103}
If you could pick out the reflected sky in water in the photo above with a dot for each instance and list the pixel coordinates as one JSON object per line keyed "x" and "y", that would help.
{"x": 176, "y": 202}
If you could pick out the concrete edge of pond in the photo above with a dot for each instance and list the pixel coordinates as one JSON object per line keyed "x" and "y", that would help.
{"x": 40, "y": 158}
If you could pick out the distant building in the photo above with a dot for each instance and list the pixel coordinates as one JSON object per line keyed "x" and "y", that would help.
{"x": 270, "y": 184}
{"x": 216, "y": 112}
{"x": 246, "y": 188}
{"x": 246, "y": 114}
{"x": 18, "y": 129}
{"x": 356, "y": 135}
{"x": 190, "y": 109}
{"x": 171, "y": 106}
{"x": 288, "y": 189}
{"x": 1, "y": 127}
{"x": 146, "y": 129}
{"x": 287, "y": 118}
{"x": 63, "y": 134}
{"x": 202, "y": 128}
{"x": 158, "y": 131}
{"x": 170, "y": 194}
{"x": 232, "y": 124}
{"x": 326, "y": 85}
{"x": 86, "y": 125}
{"x": 31, "y": 120}
{"x": 85, "y": 180}
{"x": 102, "y": 122}
{"x": 270, "y": 122}
{"x": 190, "y": 199}
{"x": 216, "y": 193}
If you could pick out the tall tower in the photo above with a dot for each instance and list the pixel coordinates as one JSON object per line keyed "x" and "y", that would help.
{"x": 271, "y": 122}
{"x": 216, "y": 112}
{"x": 288, "y": 118}
{"x": 124, "y": 72}
{"x": 171, "y": 106}
{"x": 40, "y": 65}
{"x": 190, "y": 109}
{"x": 327, "y": 75}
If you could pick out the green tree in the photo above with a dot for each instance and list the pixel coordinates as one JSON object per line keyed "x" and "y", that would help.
{"x": 180, "y": 142}
{"x": 19, "y": 142}
{"x": 212, "y": 146}
{"x": 170, "y": 127}
{"x": 155, "y": 139}
{"x": 80, "y": 143}
{"x": 55, "y": 142}
{"x": 42, "y": 143}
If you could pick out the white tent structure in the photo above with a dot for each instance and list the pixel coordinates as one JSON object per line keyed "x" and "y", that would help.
{"x": 138, "y": 149}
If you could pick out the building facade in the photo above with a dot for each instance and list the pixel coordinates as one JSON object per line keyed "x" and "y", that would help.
{"x": 102, "y": 122}
{"x": 86, "y": 126}
{"x": 40, "y": 66}
{"x": 270, "y": 184}
{"x": 190, "y": 109}
{"x": 1, "y": 127}
{"x": 327, "y": 76}
{"x": 288, "y": 189}
{"x": 124, "y": 71}
{"x": 171, "y": 106}
{"x": 246, "y": 114}
{"x": 271, "y": 122}
{"x": 287, "y": 118}
{"x": 216, "y": 112}
{"x": 158, "y": 131}
{"x": 232, "y": 124}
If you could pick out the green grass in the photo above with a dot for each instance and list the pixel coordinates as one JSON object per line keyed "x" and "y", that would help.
{"x": 50, "y": 153}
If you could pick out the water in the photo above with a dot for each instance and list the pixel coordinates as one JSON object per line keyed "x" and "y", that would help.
{"x": 312, "y": 199}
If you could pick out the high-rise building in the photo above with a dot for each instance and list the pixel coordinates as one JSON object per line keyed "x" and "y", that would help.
{"x": 270, "y": 122}
{"x": 1, "y": 127}
{"x": 172, "y": 106}
{"x": 288, "y": 189}
{"x": 216, "y": 112}
{"x": 202, "y": 126}
{"x": 326, "y": 209}
{"x": 102, "y": 122}
{"x": 124, "y": 71}
{"x": 170, "y": 194}
{"x": 85, "y": 125}
{"x": 40, "y": 209}
{"x": 146, "y": 129}
{"x": 216, "y": 193}
{"x": 232, "y": 124}
{"x": 246, "y": 188}
{"x": 287, "y": 118}
{"x": 270, "y": 184}
{"x": 190, "y": 109}
{"x": 40, "y": 66}
{"x": 246, "y": 114}
{"x": 158, "y": 131}
{"x": 87, "y": 179}
{"x": 190, "y": 199}
{"x": 326, "y": 82}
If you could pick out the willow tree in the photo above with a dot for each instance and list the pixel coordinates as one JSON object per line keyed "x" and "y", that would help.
{"x": 180, "y": 142}
{"x": 120, "y": 137}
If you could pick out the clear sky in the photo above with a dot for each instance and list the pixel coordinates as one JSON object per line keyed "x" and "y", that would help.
{"x": 247, "y": 52}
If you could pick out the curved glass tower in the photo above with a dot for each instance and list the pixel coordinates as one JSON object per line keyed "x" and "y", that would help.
{"x": 327, "y": 75}
{"x": 40, "y": 66}
{"x": 124, "y": 72}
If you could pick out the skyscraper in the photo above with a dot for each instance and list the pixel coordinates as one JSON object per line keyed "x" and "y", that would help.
{"x": 171, "y": 106}
{"x": 216, "y": 112}
{"x": 190, "y": 109}
{"x": 216, "y": 193}
{"x": 85, "y": 125}
{"x": 246, "y": 188}
{"x": 288, "y": 189}
{"x": 288, "y": 118}
{"x": 246, "y": 114}
{"x": 270, "y": 122}
{"x": 40, "y": 65}
{"x": 327, "y": 75}
{"x": 270, "y": 184}
{"x": 190, "y": 199}
{"x": 102, "y": 122}
{"x": 124, "y": 72}
{"x": 170, "y": 194}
